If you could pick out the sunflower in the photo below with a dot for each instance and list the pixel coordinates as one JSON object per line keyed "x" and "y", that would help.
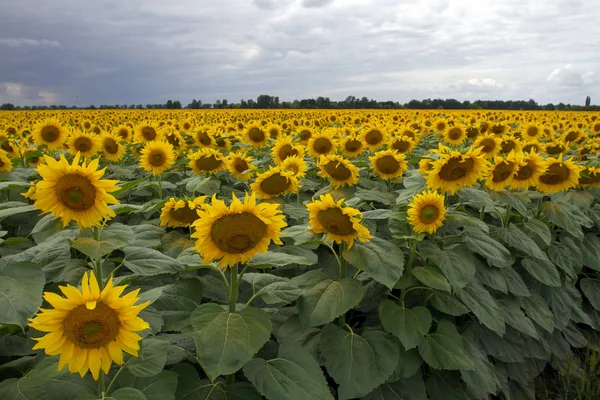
{"x": 501, "y": 172}
{"x": 90, "y": 328}
{"x": 440, "y": 125}
{"x": 573, "y": 135}
{"x": 589, "y": 177}
{"x": 174, "y": 138}
{"x": 255, "y": 136}
{"x": 304, "y": 134}
{"x": 187, "y": 125}
{"x": 203, "y": 137}
{"x": 180, "y": 213}
{"x": 83, "y": 143}
{"x": 425, "y": 166}
{"x": 74, "y": 192}
{"x": 340, "y": 224}
{"x": 530, "y": 146}
{"x": 274, "y": 131}
{"x": 454, "y": 135}
{"x": 157, "y": 157}
{"x": 455, "y": 170}
{"x": 530, "y": 167}
{"x": 338, "y": 170}
{"x": 509, "y": 143}
{"x": 207, "y": 161}
{"x": 388, "y": 164}
{"x": 124, "y": 132}
{"x": 9, "y": 146}
{"x": 148, "y": 132}
{"x": 30, "y": 193}
{"x": 403, "y": 144}
{"x": 86, "y": 125}
{"x": 240, "y": 165}
{"x": 558, "y": 175}
{"x": 472, "y": 132}
{"x": 5, "y": 163}
{"x": 296, "y": 165}
{"x": 283, "y": 148}
{"x": 50, "y": 133}
{"x": 112, "y": 150}
{"x": 236, "y": 233}
{"x": 352, "y": 146}
{"x": 426, "y": 212}
{"x": 322, "y": 144}
{"x": 374, "y": 137}
{"x": 531, "y": 131}
{"x": 274, "y": 182}
{"x": 556, "y": 147}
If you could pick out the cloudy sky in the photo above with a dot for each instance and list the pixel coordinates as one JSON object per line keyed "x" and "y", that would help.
{"x": 77, "y": 52}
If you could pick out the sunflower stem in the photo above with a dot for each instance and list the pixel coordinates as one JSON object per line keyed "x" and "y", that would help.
{"x": 411, "y": 258}
{"x": 160, "y": 196}
{"x": 101, "y": 390}
{"x": 233, "y": 288}
{"x": 507, "y": 216}
{"x": 342, "y": 275}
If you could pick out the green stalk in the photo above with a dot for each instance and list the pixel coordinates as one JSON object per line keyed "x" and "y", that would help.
{"x": 233, "y": 288}
{"x": 160, "y": 196}
{"x": 342, "y": 275}
{"x": 101, "y": 390}
{"x": 411, "y": 258}
{"x": 507, "y": 216}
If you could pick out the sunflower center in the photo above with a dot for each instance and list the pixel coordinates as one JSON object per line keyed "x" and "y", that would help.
{"x": 497, "y": 129}
{"x": 286, "y": 151}
{"x": 456, "y": 168}
{"x": 508, "y": 146}
{"x": 336, "y": 222}
{"x": 87, "y": 125}
{"x": 524, "y": 173}
{"x": 208, "y": 163}
{"x": 50, "y": 133}
{"x": 256, "y": 135}
{"x": 185, "y": 215}
{"x": 532, "y": 131}
{"x": 590, "y": 178}
{"x": 429, "y": 214}
{"x": 552, "y": 150}
{"x": 440, "y": 126}
{"x": 322, "y": 146}
{"x": 488, "y": 145}
{"x": 472, "y": 132}
{"x": 401, "y": 145}
{"x": 157, "y": 159}
{"x": 387, "y": 164}
{"x": 305, "y": 134}
{"x": 92, "y": 328}
{"x": 240, "y": 165}
{"x": 238, "y": 233}
{"x": 174, "y": 140}
{"x": 203, "y": 138}
{"x": 11, "y": 131}
{"x": 374, "y": 137}
{"x": 555, "y": 174}
{"x": 337, "y": 170}
{"x": 96, "y": 130}
{"x": 83, "y": 144}
{"x": 111, "y": 146}
{"x": 572, "y": 136}
{"x": 7, "y": 147}
{"x": 529, "y": 147}
{"x": 275, "y": 184}
{"x": 186, "y": 126}
{"x": 503, "y": 171}
{"x": 76, "y": 192}
{"x": 353, "y": 145}
{"x": 149, "y": 133}
{"x": 124, "y": 133}
{"x": 455, "y": 133}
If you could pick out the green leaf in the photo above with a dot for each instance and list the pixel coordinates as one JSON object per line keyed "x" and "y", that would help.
{"x": 291, "y": 330}
{"x": 590, "y": 251}
{"x": 483, "y": 376}
{"x": 328, "y": 299}
{"x": 14, "y": 185}
{"x": 45, "y": 228}
{"x": 408, "y": 325}
{"x": 281, "y": 258}
{"x": 114, "y": 237}
{"x": 483, "y": 306}
{"x": 147, "y": 235}
{"x": 375, "y": 196}
{"x": 516, "y": 238}
{"x": 566, "y": 216}
{"x": 431, "y": 277}
{"x": 444, "y": 349}
{"x": 401, "y": 228}
{"x": 294, "y": 374}
{"x": 476, "y": 197}
{"x": 381, "y": 260}
{"x": 448, "y": 304}
{"x": 540, "y": 229}
{"x": 21, "y": 287}
{"x": 157, "y": 387}
{"x": 271, "y": 288}
{"x": 152, "y": 358}
{"x": 493, "y": 251}
{"x": 380, "y": 213}
{"x": 300, "y": 234}
{"x": 543, "y": 271}
{"x": 177, "y": 301}
{"x": 492, "y": 277}
{"x": 518, "y": 201}
{"x": 126, "y": 394}
{"x": 466, "y": 221}
{"x": 148, "y": 262}
{"x": 514, "y": 282}
{"x": 515, "y": 317}
{"x": 226, "y": 341}
{"x": 537, "y": 309}
{"x": 9, "y": 212}
{"x": 591, "y": 289}
{"x": 358, "y": 363}
{"x": 126, "y": 187}
{"x": 458, "y": 264}
{"x": 443, "y": 385}
{"x": 412, "y": 388}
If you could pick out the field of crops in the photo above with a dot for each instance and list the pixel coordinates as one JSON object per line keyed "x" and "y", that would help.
{"x": 328, "y": 254}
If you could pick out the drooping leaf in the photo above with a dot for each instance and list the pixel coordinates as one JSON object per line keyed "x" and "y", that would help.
{"x": 444, "y": 348}
{"x": 431, "y": 277}
{"x": 151, "y": 360}
{"x": 21, "y": 287}
{"x": 536, "y": 308}
{"x": 114, "y": 237}
{"x": 566, "y": 216}
{"x": 148, "y": 262}
{"x": 483, "y": 305}
{"x": 381, "y": 260}
{"x": 493, "y": 251}
{"x": 457, "y": 264}
{"x": 543, "y": 271}
{"x": 408, "y": 325}
{"x": 591, "y": 289}
{"x": 412, "y": 388}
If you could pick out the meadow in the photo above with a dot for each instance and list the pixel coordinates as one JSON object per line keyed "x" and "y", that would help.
{"x": 305, "y": 254}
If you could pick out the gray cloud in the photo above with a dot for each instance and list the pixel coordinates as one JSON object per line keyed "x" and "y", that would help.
{"x": 147, "y": 51}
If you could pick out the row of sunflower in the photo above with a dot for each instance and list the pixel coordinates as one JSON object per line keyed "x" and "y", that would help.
{"x": 402, "y": 231}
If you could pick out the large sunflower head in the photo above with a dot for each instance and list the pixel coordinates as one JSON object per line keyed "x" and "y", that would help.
{"x": 529, "y": 167}
{"x": 304, "y": 134}
{"x": 148, "y": 132}
{"x": 157, "y": 157}
{"x": 274, "y": 131}
{"x": 124, "y": 133}
{"x": 339, "y": 223}
{"x": 50, "y": 133}
{"x": 501, "y": 172}
{"x": 84, "y": 143}
{"x": 296, "y": 165}
{"x": 374, "y": 137}
{"x": 256, "y": 136}
{"x": 402, "y": 144}
{"x": 111, "y": 147}
{"x": 322, "y": 143}
{"x": 90, "y": 328}
{"x": 426, "y": 212}
{"x": 489, "y": 144}
{"x": 236, "y": 233}
{"x": 338, "y": 170}
{"x": 572, "y": 135}
{"x": 455, "y": 170}
{"x": 240, "y": 165}
{"x": 74, "y": 192}
{"x": 530, "y": 146}
{"x": 5, "y": 162}
{"x": 509, "y": 143}
{"x": 388, "y": 164}
{"x": 589, "y": 177}
{"x": 455, "y": 134}
{"x": 352, "y": 146}
{"x": 9, "y": 146}
{"x": 531, "y": 131}
{"x": 558, "y": 175}
{"x": 207, "y": 161}
{"x": 284, "y": 147}
{"x": 274, "y": 182}
{"x": 180, "y": 212}
{"x": 204, "y": 137}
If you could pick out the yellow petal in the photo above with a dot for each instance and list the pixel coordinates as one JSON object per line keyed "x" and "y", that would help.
{"x": 115, "y": 352}
{"x": 59, "y": 302}
{"x": 47, "y": 340}
{"x": 95, "y": 362}
{"x": 66, "y": 354}
{"x": 85, "y": 287}
{"x": 77, "y": 360}
{"x": 106, "y": 361}
{"x": 94, "y": 288}
{"x": 90, "y": 305}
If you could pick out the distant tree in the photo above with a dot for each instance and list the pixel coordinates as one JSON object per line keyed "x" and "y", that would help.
{"x": 588, "y": 101}
{"x": 177, "y": 105}
{"x": 169, "y": 104}
{"x": 224, "y": 103}
{"x": 7, "y": 106}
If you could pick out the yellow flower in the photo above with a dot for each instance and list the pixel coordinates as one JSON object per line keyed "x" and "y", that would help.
{"x": 51, "y": 133}
{"x": 5, "y": 163}
{"x": 455, "y": 170}
{"x": 501, "y": 172}
{"x": 203, "y": 137}
{"x": 124, "y": 132}
{"x": 352, "y": 146}
{"x": 274, "y": 182}
{"x": 236, "y": 233}
{"x": 388, "y": 164}
{"x": 30, "y": 193}
{"x": 589, "y": 177}
{"x": 207, "y": 161}
{"x": 529, "y": 168}
{"x": 374, "y": 137}
{"x": 112, "y": 150}
{"x": 90, "y": 329}
{"x": 338, "y": 170}
{"x": 321, "y": 144}
{"x": 531, "y": 131}
{"x": 403, "y": 144}
{"x": 340, "y": 224}
{"x": 180, "y": 213}
{"x": 148, "y": 132}
{"x": 240, "y": 165}
{"x": 74, "y": 192}
{"x": 296, "y": 165}
{"x": 157, "y": 157}
{"x": 255, "y": 136}
{"x": 283, "y": 148}
{"x": 454, "y": 135}
{"x": 426, "y": 212}
{"x": 83, "y": 143}
{"x": 558, "y": 175}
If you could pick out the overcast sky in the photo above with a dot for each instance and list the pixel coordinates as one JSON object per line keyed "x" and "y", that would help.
{"x": 78, "y": 52}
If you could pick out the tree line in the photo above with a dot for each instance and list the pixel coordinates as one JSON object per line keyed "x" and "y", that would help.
{"x": 265, "y": 101}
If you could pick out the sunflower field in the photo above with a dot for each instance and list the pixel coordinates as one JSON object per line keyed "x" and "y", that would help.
{"x": 298, "y": 254}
